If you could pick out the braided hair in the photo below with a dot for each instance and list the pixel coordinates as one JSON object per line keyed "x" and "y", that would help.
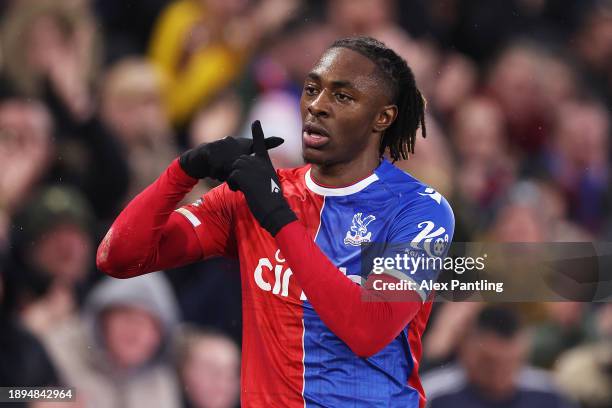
{"x": 400, "y": 137}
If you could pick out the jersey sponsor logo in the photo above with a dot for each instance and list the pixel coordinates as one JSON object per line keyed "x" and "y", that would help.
{"x": 279, "y": 284}
{"x": 430, "y": 192}
{"x": 358, "y": 233}
{"x": 275, "y": 187}
{"x": 430, "y": 235}
{"x": 282, "y": 275}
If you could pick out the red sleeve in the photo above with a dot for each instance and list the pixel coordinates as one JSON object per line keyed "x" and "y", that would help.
{"x": 364, "y": 321}
{"x": 211, "y": 217}
{"x": 148, "y": 235}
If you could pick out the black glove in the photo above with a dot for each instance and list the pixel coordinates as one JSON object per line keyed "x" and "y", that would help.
{"x": 256, "y": 178}
{"x": 215, "y": 159}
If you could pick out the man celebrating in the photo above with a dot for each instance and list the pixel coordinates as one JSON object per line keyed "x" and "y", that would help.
{"x": 313, "y": 334}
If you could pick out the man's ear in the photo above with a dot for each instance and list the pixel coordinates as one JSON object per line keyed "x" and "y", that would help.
{"x": 385, "y": 118}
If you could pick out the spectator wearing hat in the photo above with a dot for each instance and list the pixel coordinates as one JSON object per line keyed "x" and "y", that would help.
{"x": 492, "y": 370}
{"x": 51, "y": 257}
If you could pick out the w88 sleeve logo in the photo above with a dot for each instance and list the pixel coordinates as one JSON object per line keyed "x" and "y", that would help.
{"x": 428, "y": 235}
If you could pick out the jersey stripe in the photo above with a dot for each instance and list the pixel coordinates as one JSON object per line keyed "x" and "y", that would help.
{"x": 189, "y": 215}
{"x": 303, "y": 323}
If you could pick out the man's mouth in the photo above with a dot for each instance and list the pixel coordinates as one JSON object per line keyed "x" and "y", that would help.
{"x": 314, "y": 136}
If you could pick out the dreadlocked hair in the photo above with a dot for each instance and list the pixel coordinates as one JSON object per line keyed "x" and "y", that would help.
{"x": 400, "y": 137}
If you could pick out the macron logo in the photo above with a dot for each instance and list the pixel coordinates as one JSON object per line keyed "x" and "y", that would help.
{"x": 275, "y": 187}
{"x": 437, "y": 197}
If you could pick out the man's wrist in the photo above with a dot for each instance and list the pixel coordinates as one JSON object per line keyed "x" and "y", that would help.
{"x": 278, "y": 219}
{"x": 190, "y": 158}
{"x": 179, "y": 174}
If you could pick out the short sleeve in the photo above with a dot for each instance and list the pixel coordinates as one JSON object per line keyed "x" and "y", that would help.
{"x": 212, "y": 217}
{"x": 418, "y": 241}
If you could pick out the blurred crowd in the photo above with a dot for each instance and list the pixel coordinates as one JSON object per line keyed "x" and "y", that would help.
{"x": 98, "y": 96}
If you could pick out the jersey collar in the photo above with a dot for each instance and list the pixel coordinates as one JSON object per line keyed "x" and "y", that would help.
{"x": 341, "y": 191}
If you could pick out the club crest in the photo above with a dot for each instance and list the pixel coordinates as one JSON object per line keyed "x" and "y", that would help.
{"x": 358, "y": 233}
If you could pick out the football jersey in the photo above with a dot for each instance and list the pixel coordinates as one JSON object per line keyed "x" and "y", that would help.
{"x": 289, "y": 357}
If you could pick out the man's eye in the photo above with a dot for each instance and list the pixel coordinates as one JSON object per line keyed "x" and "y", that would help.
{"x": 343, "y": 97}
{"x": 310, "y": 90}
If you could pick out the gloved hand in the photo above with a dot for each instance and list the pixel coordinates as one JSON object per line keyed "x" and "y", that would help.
{"x": 256, "y": 178}
{"x": 215, "y": 159}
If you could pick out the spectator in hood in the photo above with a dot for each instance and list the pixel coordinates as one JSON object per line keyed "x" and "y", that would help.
{"x": 117, "y": 354}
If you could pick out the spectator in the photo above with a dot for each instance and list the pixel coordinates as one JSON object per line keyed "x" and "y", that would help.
{"x": 585, "y": 372}
{"x": 118, "y": 353}
{"x": 515, "y": 82}
{"x": 51, "y": 39}
{"x": 604, "y": 321}
{"x": 434, "y": 163}
{"x": 455, "y": 83}
{"x": 278, "y": 110}
{"x": 559, "y": 81}
{"x": 211, "y": 285}
{"x": 132, "y": 107}
{"x": 50, "y": 49}
{"x": 88, "y": 157}
{"x": 592, "y": 46}
{"x": 220, "y": 118}
{"x": 492, "y": 370}
{"x": 209, "y": 367}
{"x": 565, "y": 327}
{"x": 52, "y": 257}
{"x": 519, "y": 221}
{"x": 581, "y": 174}
{"x": 360, "y": 16}
{"x": 378, "y": 18}
{"x": 26, "y": 150}
{"x": 448, "y": 329}
{"x": 485, "y": 169}
{"x": 23, "y": 360}
{"x": 201, "y": 46}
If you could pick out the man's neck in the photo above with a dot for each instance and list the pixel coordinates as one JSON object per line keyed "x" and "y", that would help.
{"x": 343, "y": 174}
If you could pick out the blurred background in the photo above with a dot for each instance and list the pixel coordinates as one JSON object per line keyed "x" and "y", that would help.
{"x": 98, "y": 96}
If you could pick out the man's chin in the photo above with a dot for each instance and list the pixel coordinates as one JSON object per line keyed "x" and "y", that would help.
{"x": 311, "y": 157}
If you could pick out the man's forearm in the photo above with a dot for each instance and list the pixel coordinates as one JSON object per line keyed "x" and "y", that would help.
{"x": 146, "y": 236}
{"x": 365, "y": 325}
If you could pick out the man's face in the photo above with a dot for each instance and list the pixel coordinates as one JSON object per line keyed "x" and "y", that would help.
{"x": 131, "y": 335}
{"x": 211, "y": 374}
{"x": 493, "y": 371}
{"x": 341, "y": 101}
{"x": 25, "y": 123}
{"x": 64, "y": 252}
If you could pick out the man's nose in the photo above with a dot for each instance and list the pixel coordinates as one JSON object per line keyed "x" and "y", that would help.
{"x": 319, "y": 106}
